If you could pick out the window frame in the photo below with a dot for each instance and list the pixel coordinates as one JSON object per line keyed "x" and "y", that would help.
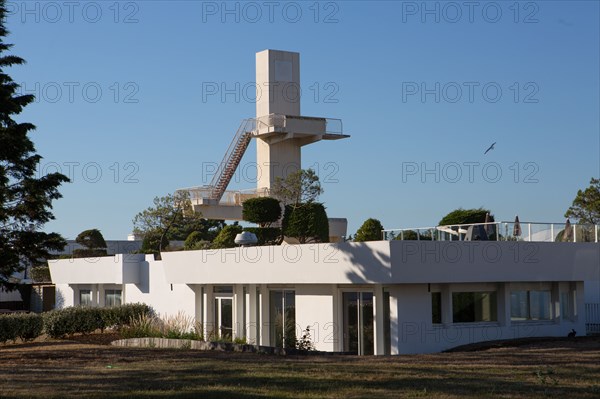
{"x": 493, "y": 310}
{"x": 113, "y": 292}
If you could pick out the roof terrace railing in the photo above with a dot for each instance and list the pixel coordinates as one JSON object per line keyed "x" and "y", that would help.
{"x": 199, "y": 195}
{"x": 280, "y": 122}
{"x": 501, "y": 231}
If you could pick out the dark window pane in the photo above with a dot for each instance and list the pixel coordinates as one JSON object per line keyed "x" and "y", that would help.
{"x": 469, "y": 307}
{"x": 436, "y": 307}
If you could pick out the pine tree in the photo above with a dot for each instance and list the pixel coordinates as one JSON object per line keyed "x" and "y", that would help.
{"x": 25, "y": 199}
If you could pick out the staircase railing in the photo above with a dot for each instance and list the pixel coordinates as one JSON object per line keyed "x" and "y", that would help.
{"x": 232, "y": 158}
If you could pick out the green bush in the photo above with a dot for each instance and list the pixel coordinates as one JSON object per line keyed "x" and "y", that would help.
{"x": 266, "y": 235}
{"x": 119, "y": 316}
{"x": 85, "y": 320}
{"x": 226, "y": 237}
{"x": 306, "y": 222}
{"x": 93, "y": 244}
{"x": 196, "y": 241}
{"x": 371, "y": 230}
{"x": 69, "y": 321}
{"x": 26, "y": 326}
{"x": 88, "y": 253}
{"x": 40, "y": 273}
{"x": 262, "y": 211}
{"x": 151, "y": 242}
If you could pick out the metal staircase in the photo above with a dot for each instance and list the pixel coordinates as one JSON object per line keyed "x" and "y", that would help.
{"x": 232, "y": 159}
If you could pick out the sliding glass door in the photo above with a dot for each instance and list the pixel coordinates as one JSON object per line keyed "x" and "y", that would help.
{"x": 224, "y": 316}
{"x": 358, "y": 323}
{"x": 283, "y": 318}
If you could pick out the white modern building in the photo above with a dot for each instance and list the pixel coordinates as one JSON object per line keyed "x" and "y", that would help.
{"x": 380, "y": 297}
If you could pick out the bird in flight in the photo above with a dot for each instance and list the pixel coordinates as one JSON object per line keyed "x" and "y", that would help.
{"x": 490, "y": 148}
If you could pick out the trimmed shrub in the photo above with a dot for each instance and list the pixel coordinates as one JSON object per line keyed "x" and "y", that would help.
{"x": 226, "y": 237}
{"x": 85, "y": 320}
{"x": 69, "y": 321}
{"x": 371, "y": 230}
{"x": 119, "y": 316}
{"x": 195, "y": 240}
{"x": 93, "y": 243}
{"x": 266, "y": 235}
{"x": 262, "y": 211}
{"x": 307, "y": 223}
{"x": 151, "y": 242}
{"x": 26, "y": 326}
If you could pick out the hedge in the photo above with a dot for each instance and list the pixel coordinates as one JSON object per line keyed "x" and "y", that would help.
{"x": 84, "y": 320}
{"x": 26, "y": 326}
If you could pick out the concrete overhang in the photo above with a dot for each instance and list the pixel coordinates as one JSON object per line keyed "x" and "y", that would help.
{"x": 117, "y": 269}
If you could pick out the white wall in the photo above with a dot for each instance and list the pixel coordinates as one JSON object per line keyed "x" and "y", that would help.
{"x": 417, "y": 334}
{"x": 154, "y": 290}
{"x": 65, "y": 296}
{"x": 117, "y": 269}
{"x": 592, "y": 291}
{"x": 315, "y": 308}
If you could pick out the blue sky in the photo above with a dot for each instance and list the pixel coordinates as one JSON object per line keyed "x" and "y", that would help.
{"x": 423, "y": 88}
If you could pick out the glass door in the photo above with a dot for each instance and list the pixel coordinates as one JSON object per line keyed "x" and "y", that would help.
{"x": 283, "y": 319}
{"x": 358, "y": 323}
{"x": 224, "y": 316}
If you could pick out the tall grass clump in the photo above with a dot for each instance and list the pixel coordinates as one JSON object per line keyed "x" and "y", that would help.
{"x": 179, "y": 326}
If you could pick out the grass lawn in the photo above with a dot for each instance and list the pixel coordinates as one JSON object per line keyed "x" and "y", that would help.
{"x": 555, "y": 368}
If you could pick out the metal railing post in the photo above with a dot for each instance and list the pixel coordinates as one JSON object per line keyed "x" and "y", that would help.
{"x": 529, "y": 231}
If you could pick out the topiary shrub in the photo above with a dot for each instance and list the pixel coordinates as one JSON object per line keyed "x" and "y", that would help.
{"x": 195, "y": 240}
{"x": 93, "y": 243}
{"x": 26, "y": 326}
{"x": 465, "y": 216}
{"x": 371, "y": 230}
{"x": 151, "y": 242}
{"x": 306, "y": 222}
{"x": 226, "y": 237}
{"x": 262, "y": 211}
{"x": 266, "y": 235}
{"x": 69, "y": 321}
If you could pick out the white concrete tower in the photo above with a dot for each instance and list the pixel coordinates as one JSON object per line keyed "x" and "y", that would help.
{"x": 280, "y": 132}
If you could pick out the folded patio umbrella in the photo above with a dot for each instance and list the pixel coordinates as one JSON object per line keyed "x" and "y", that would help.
{"x": 517, "y": 227}
{"x": 490, "y": 229}
{"x": 568, "y": 232}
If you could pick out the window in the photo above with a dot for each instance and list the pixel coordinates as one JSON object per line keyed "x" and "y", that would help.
{"x": 85, "y": 297}
{"x": 436, "y": 307}
{"x": 223, "y": 289}
{"x": 530, "y": 305}
{"x": 470, "y": 307}
{"x": 112, "y": 298}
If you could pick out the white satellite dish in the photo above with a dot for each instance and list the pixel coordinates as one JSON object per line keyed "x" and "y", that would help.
{"x": 246, "y": 238}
